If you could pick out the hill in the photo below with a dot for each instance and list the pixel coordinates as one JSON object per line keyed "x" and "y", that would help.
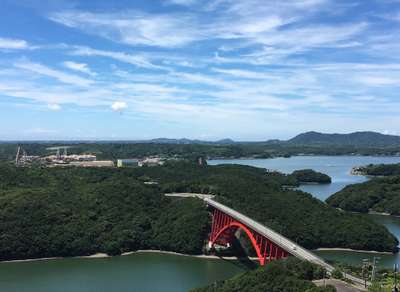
{"x": 362, "y": 139}
{"x": 378, "y": 194}
{"x": 284, "y": 275}
{"x": 378, "y": 169}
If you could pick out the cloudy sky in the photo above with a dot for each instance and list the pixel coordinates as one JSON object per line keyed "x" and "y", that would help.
{"x": 247, "y": 70}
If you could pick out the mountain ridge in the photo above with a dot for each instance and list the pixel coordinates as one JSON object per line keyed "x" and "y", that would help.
{"x": 361, "y": 138}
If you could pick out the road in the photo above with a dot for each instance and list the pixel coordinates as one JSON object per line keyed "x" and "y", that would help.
{"x": 339, "y": 285}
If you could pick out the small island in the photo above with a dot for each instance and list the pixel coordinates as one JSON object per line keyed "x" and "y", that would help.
{"x": 309, "y": 176}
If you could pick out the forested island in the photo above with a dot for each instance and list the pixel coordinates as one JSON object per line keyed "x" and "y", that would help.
{"x": 49, "y": 212}
{"x": 379, "y": 195}
{"x": 378, "y": 169}
{"x": 305, "y": 176}
{"x": 284, "y": 275}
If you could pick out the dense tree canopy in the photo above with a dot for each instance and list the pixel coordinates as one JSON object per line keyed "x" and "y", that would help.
{"x": 311, "y": 176}
{"x": 69, "y": 212}
{"x": 284, "y": 275}
{"x": 378, "y": 194}
{"x": 379, "y": 169}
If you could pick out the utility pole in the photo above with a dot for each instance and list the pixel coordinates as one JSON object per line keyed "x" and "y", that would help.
{"x": 374, "y": 262}
{"x": 365, "y": 267}
{"x": 17, "y": 156}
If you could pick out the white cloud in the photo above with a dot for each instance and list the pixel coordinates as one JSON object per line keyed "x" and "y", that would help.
{"x": 54, "y": 106}
{"x": 46, "y": 71}
{"x": 13, "y": 44}
{"x": 137, "y": 60}
{"x": 134, "y": 27}
{"x": 119, "y": 106}
{"x": 236, "y": 20}
{"x": 372, "y": 80}
{"x": 80, "y": 67}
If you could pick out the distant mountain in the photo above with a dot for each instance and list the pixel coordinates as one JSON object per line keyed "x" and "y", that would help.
{"x": 362, "y": 139}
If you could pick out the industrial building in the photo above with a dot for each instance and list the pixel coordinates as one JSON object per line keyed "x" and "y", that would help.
{"x": 134, "y": 162}
{"x": 97, "y": 163}
{"x": 151, "y": 161}
{"x": 128, "y": 162}
{"x": 61, "y": 158}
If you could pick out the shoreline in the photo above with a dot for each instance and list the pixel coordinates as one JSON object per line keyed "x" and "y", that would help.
{"x": 352, "y": 250}
{"x": 154, "y": 251}
{"x": 144, "y": 251}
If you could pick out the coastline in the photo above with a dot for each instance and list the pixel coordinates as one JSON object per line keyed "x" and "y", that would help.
{"x": 155, "y": 251}
{"x": 352, "y": 250}
{"x": 104, "y": 255}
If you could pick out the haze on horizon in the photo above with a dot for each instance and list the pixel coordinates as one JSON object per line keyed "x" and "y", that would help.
{"x": 247, "y": 70}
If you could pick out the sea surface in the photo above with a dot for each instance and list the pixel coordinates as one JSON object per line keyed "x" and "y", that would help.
{"x": 146, "y": 272}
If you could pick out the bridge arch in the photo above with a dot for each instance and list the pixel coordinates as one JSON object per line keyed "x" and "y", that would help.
{"x": 237, "y": 225}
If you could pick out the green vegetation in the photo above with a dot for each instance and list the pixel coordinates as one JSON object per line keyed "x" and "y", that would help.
{"x": 70, "y": 212}
{"x": 311, "y": 176}
{"x": 284, "y": 275}
{"x": 116, "y": 150}
{"x": 46, "y": 212}
{"x": 378, "y": 194}
{"x": 359, "y": 139}
{"x": 379, "y": 169}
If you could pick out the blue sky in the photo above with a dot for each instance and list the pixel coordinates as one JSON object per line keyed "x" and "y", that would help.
{"x": 248, "y": 70}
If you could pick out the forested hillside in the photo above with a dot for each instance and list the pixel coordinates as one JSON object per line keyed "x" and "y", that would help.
{"x": 283, "y": 275}
{"x": 69, "y": 212}
{"x": 359, "y": 139}
{"x": 48, "y": 212}
{"x": 378, "y": 169}
{"x": 378, "y": 194}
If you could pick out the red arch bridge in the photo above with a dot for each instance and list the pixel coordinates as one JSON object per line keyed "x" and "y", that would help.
{"x": 269, "y": 245}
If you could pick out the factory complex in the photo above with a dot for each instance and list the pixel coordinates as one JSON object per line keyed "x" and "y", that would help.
{"x": 61, "y": 158}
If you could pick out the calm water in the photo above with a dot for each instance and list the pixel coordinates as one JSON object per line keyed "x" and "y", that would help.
{"x": 338, "y": 168}
{"x": 138, "y": 272}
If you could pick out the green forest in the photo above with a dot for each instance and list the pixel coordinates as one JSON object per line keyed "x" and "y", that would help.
{"x": 377, "y": 194}
{"x": 116, "y": 150}
{"x": 284, "y": 275}
{"x": 379, "y": 169}
{"x": 311, "y": 176}
{"x": 46, "y": 212}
